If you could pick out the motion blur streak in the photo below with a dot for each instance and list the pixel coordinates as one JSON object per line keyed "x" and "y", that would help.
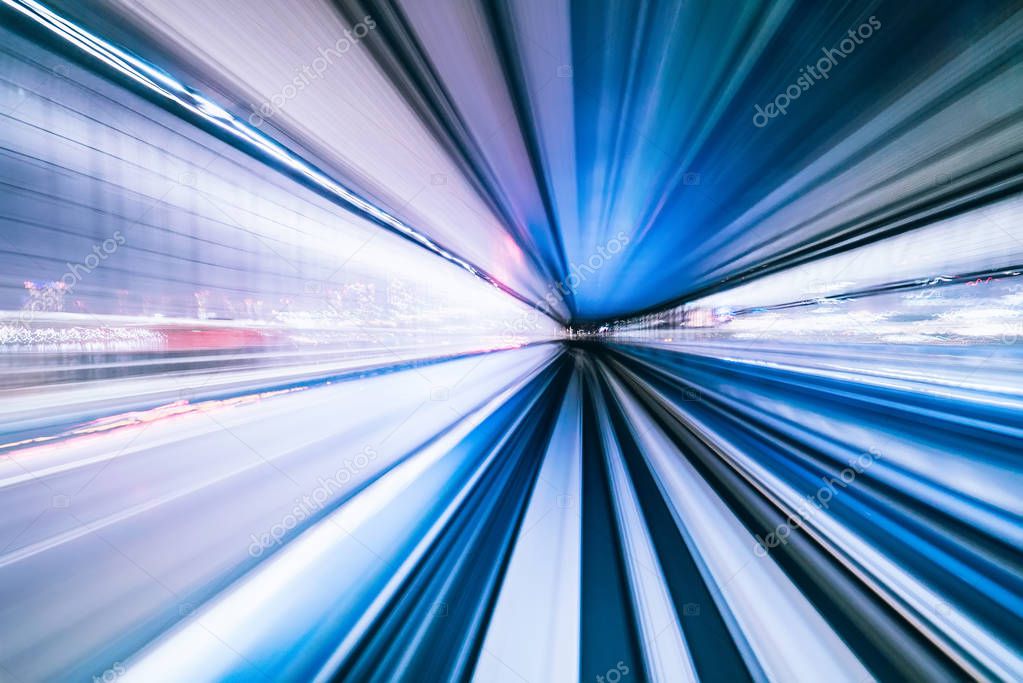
{"x": 511, "y": 340}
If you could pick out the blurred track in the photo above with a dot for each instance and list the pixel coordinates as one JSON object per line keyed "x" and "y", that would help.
{"x": 549, "y": 514}
{"x": 896, "y": 510}
{"x": 180, "y": 507}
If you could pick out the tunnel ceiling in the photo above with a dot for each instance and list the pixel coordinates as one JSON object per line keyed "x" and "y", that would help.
{"x": 604, "y": 159}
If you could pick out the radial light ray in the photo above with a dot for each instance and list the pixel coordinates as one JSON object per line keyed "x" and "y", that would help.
{"x": 511, "y": 340}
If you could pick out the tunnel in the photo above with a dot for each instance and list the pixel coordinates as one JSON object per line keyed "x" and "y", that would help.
{"x": 511, "y": 340}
